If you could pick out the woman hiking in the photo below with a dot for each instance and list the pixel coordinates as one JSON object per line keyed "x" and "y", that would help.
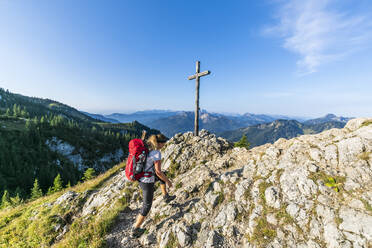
{"x": 153, "y": 164}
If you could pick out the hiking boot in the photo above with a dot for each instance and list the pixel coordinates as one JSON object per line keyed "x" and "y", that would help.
{"x": 167, "y": 198}
{"x": 137, "y": 232}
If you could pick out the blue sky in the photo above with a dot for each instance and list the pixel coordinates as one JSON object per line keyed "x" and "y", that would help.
{"x": 304, "y": 58}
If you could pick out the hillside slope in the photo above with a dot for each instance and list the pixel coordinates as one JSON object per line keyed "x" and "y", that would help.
{"x": 41, "y": 138}
{"x": 310, "y": 191}
{"x": 37, "y": 107}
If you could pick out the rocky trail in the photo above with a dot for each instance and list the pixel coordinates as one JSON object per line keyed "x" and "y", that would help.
{"x": 310, "y": 191}
{"x": 119, "y": 236}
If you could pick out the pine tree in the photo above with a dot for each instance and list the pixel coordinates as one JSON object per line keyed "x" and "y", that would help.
{"x": 16, "y": 200}
{"x": 243, "y": 142}
{"x": 5, "y": 200}
{"x": 36, "y": 191}
{"x": 28, "y": 124}
{"x": 24, "y": 113}
{"x": 57, "y": 184}
{"x": 50, "y": 190}
{"x": 89, "y": 174}
{"x": 15, "y": 110}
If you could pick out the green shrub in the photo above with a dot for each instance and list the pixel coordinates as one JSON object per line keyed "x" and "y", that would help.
{"x": 5, "y": 200}
{"x": 89, "y": 174}
{"x": 243, "y": 142}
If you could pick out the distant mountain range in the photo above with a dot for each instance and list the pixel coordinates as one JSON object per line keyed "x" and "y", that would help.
{"x": 172, "y": 122}
{"x": 101, "y": 117}
{"x": 142, "y": 116}
{"x": 270, "y": 132}
{"x": 328, "y": 118}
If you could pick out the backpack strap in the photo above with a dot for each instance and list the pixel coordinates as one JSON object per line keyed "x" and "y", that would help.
{"x": 146, "y": 173}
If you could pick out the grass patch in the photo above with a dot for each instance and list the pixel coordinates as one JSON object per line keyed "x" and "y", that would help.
{"x": 366, "y": 205}
{"x": 247, "y": 194}
{"x": 24, "y": 231}
{"x": 334, "y": 182}
{"x": 262, "y": 187}
{"x": 90, "y": 233}
{"x": 338, "y": 221}
{"x": 367, "y": 123}
{"x": 283, "y": 215}
{"x": 244, "y": 215}
{"x": 172, "y": 242}
{"x": 331, "y": 183}
{"x": 279, "y": 173}
{"x": 364, "y": 156}
{"x": 98, "y": 181}
{"x": 263, "y": 234}
{"x": 53, "y": 105}
{"x": 173, "y": 169}
{"x": 221, "y": 198}
{"x": 179, "y": 185}
{"x": 158, "y": 217}
{"x": 207, "y": 186}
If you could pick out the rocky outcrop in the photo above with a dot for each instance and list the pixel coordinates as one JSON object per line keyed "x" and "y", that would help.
{"x": 76, "y": 155}
{"x": 310, "y": 191}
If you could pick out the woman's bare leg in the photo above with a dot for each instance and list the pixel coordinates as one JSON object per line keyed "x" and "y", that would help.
{"x": 163, "y": 189}
{"x": 139, "y": 221}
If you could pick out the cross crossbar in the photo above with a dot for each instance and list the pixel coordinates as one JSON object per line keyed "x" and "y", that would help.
{"x": 204, "y": 73}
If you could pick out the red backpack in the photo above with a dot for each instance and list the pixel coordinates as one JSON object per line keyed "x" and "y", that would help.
{"x": 136, "y": 162}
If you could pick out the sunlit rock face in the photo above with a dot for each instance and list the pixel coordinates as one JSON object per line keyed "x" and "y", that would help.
{"x": 310, "y": 191}
{"x": 76, "y": 157}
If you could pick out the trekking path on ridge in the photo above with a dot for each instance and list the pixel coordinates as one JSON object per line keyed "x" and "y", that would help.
{"x": 119, "y": 236}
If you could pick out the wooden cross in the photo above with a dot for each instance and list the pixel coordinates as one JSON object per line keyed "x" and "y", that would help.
{"x": 197, "y": 76}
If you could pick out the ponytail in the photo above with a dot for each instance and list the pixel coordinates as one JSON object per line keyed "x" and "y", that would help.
{"x": 155, "y": 140}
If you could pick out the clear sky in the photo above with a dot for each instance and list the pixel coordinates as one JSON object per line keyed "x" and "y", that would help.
{"x": 304, "y": 58}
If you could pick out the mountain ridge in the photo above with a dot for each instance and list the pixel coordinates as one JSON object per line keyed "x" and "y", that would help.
{"x": 309, "y": 191}
{"x": 270, "y": 132}
{"x": 172, "y": 122}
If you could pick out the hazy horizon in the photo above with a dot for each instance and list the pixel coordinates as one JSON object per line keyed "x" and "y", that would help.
{"x": 106, "y": 113}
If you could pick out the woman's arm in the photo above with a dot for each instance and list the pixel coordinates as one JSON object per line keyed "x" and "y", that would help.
{"x": 160, "y": 174}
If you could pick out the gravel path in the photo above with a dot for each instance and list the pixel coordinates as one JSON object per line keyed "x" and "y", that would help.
{"x": 119, "y": 236}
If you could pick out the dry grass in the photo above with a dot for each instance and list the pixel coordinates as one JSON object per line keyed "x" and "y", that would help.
{"x": 367, "y": 123}
{"x": 364, "y": 156}
{"x": 90, "y": 233}
{"x": 32, "y": 224}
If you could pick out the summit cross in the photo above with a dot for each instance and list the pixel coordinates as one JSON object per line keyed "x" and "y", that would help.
{"x": 197, "y": 77}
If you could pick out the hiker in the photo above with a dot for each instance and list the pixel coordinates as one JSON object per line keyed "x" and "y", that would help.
{"x": 153, "y": 164}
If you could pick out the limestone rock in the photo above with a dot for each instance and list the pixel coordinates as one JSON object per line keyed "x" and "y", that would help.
{"x": 310, "y": 191}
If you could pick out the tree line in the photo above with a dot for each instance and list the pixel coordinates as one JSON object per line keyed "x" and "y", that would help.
{"x": 26, "y": 156}
{"x": 8, "y": 201}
